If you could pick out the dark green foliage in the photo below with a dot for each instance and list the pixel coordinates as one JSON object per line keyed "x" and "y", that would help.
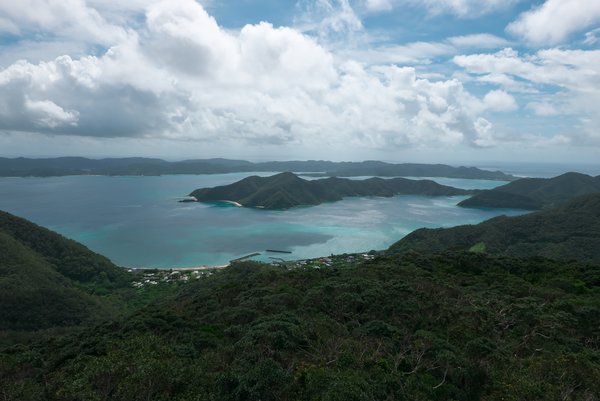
{"x": 502, "y": 200}
{"x": 33, "y": 295}
{"x": 460, "y": 326}
{"x": 286, "y": 190}
{"x": 67, "y": 257}
{"x": 24, "y": 167}
{"x": 569, "y": 231}
{"x": 535, "y": 193}
{"x": 47, "y": 280}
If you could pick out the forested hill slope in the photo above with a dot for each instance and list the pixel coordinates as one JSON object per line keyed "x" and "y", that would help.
{"x": 535, "y": 193}
{"x": 443, "y": 327}
{"x": 47, "y": 280}
{"x": 69, "y": 258}
{"x": 568, "y": 231}
{"x": 285, "y": 190}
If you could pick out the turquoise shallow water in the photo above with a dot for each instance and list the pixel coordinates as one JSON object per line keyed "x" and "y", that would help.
{"x": 137, "y": 221}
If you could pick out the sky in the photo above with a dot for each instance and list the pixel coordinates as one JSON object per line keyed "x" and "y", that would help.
{"x": 452, "y": 81}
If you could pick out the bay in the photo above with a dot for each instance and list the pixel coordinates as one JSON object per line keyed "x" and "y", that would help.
{"x": 138, "y": 221}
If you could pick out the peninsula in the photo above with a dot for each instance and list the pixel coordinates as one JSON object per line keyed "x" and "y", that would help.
{"x": 535, "y": 193}
{"x": 286, "y": 190}
{"x": 570, "y": 231}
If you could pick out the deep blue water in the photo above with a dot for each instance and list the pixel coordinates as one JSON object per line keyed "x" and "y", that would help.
{"x": 137, "y": 221}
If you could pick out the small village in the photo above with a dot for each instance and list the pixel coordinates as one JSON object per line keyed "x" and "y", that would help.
{"x": 343, "y": 260}
{"x": 150, "y": 277}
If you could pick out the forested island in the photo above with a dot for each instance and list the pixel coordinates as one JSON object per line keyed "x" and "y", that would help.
{"x": 286, "y": 190}
{"x": 535, "y": 193}
{"x": 410, "y": 325}
{"x": 61, "y": 166}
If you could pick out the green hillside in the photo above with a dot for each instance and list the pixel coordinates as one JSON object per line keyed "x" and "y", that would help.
{"x": 535, "y": 193}
{"x": 441, "y": 327}
{"x": 47, "y": 280}
{"x": 285, "y": 190}
{"x": 398, "y": 325}
{"x": 69, "y": 258}
{"x": 569, "y": 231}
{"x": 33, "y": 295}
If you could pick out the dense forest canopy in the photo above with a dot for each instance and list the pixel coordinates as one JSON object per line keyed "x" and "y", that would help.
{"x": 286, "y": 190}
{"x": 47, "y": 280}
{"x": 570, "y": 231}
{"x": 535, "y": 193}
{"x": 505, "y": 310}
{"x": 460, "y": 326}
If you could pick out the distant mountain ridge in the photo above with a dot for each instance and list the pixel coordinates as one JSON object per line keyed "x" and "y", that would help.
{"x": 418, "y": 170}
{"x": 286, "y": 190}
{"x": 61, "y": 166}
{"x": 568, "y": 231}
{"x": 535, "y": 193}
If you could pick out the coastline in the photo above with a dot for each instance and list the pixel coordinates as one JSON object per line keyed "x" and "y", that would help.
{"x": 191, "y": 268}
{"x": 232, "y": 203}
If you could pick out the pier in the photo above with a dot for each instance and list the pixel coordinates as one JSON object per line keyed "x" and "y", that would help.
{"x": 245, "y": 257}
{"x": 277, "y": 251}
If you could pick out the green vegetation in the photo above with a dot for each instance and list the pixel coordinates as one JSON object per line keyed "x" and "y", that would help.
{"x": 458, "y": 326}
{"x": 569, "y": 231}
{"x": 478, "y": 247}
{"x": 33, "y": 295}
{"x": 69, "y": 258}
{"x": 51, "y": 283}
{"x": 464, "y": 324}
{"x": 286, "y": 190}
{"x": 24, "y": 167}
{"x": 535, "y": 193}
{"x": 47, "y": 280}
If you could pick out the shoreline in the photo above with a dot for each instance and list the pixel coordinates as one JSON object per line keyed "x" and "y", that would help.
{"x": 191, "y": 268}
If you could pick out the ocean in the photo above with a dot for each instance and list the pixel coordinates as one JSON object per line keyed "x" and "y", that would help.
{"x": 138, "y": 221}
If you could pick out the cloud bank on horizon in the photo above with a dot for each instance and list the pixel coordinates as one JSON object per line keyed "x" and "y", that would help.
{"x": 299, "y": 78}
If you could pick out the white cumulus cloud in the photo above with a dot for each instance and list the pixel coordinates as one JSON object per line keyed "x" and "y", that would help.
{"x": 479, "y": 40}
{"x": 65, "y": 18}
{"x": 180, "y": 75}
{"x": 499, "y": 100}
{"x": 553, "y": 22}
{"x": 573, "y": 76}
{"x": 47, "y": 114}
{"x": 543, "y": 109}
